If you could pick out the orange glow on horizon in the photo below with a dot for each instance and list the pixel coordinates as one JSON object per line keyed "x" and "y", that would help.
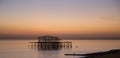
{"x": 57, "y": 18}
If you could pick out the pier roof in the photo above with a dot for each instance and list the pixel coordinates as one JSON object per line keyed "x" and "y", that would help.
{"x": 48, "y": 38}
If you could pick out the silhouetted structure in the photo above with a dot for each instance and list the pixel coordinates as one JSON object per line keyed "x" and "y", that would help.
{"x": 48, "y": 38}
{"x": 48, "y": 42}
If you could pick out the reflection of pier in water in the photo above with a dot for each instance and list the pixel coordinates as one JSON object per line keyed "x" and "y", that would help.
{"x": 50, "y": 43}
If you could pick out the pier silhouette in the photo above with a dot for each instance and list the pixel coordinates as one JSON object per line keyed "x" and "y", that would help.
{"x": 49, "y": 42}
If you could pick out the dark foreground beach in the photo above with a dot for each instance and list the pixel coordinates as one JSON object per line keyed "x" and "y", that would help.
{"x": 107, "y": 54}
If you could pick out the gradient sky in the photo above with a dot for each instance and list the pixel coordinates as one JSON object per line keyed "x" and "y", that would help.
{"x": 30, "y": 17}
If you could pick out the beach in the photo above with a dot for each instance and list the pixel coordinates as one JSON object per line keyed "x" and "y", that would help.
{"x": 107, "y": 54}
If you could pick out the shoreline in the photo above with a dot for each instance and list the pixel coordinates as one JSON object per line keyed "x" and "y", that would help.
{"x": 107, "y": 54}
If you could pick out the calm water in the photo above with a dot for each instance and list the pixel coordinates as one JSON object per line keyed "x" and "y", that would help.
{"x": 22, "y": 49}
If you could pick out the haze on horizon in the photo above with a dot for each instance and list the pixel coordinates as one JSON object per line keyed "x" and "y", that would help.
{"x": 60, "y": 17}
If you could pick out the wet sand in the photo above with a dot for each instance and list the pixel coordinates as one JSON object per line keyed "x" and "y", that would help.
{"x": 106, "y": 54}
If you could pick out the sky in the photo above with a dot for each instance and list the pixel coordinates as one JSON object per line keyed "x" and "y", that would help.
{"x": 68, "y": 17}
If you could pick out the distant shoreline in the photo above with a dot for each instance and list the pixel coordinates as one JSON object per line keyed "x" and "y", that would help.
{"x": 61, "y": 38}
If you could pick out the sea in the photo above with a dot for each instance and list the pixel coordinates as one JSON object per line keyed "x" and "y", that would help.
{"x": 24, "y": 49}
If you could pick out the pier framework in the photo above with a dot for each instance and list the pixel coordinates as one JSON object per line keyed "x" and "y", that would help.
{"x": 50, "y": 42}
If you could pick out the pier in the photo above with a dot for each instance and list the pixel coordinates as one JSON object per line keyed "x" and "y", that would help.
{"x": 50, "y": 43}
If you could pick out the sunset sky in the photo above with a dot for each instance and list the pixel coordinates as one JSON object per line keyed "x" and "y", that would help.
{"x": 34, "y": 17}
